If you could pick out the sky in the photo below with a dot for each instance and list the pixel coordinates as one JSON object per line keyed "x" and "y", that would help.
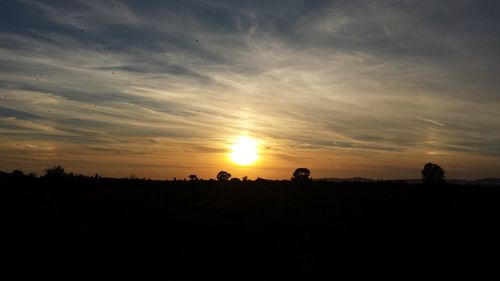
{"x": 163, "y": 89}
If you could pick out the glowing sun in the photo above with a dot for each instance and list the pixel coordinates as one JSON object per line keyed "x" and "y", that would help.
{"x": 244, "y": 151}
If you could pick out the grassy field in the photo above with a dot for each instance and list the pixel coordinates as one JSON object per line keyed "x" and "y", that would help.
{"x": 249, "y": 230}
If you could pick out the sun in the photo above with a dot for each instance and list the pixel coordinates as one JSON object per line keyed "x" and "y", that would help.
{"x": 244, "y": 151}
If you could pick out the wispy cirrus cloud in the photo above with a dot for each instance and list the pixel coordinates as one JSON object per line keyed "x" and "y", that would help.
{"x": 173, "y": 82}
{"x": 434, "y": 122}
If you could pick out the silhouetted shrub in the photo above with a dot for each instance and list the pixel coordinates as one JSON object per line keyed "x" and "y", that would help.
{"x": 259, "y": 179}
{"x": 193, "y": 177}
{"x": 432, "y": 174}
{"x": 17, "y": 174}
{"x": 55, "y": 172}
{"x": 301, "y": 174}
{"x": 223, "y": 176}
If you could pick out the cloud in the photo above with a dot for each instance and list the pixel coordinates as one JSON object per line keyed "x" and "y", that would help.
{"x": 439, "y": 124}
{"x": 302, "y": 77}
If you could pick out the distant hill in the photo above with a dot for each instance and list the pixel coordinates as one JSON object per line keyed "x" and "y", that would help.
{"x": 355, "y": 179}
{"x": 487, "y": 181}
{"x": 484, "y": 181}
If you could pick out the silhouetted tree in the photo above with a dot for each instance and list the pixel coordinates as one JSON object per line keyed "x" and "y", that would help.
{"x": 55, "y": 172}
{"x": 193, "y": 177}
{"x": 17, "y": 174}
{"x": 432, "y": 174}
{"x": 245, "y": 178}
{"x": 301, "y": 174}
{"x": 235, "y": 179}
{"x": 223, "y": 176}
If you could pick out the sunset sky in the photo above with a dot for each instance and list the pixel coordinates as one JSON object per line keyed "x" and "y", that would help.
{"x": 165, "y": 89}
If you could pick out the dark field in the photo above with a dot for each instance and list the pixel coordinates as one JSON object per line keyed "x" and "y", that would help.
{"x": 248, "y": 230}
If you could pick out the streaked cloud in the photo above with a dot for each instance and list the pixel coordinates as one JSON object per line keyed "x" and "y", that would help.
{"x": 434, "y": 122}
{"x": 160, "y": 89}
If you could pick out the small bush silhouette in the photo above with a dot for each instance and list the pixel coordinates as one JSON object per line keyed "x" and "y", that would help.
{"x": 432, "y": 174}
{"x": 223, "y": 176}
{"x": 55, "y": 172}
{"x": 17, "y": 174}
{"x": 193, "y": 177}
{"x": 301, "y": 174}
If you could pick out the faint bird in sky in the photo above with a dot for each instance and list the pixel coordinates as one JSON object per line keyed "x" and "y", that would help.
{"x": 83, "y": 29}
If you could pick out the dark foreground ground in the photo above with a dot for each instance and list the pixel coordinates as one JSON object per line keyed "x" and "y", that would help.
{"x": 248, "y": 231}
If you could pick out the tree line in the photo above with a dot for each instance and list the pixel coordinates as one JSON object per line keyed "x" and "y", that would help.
{"x": 431, "y": 173}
